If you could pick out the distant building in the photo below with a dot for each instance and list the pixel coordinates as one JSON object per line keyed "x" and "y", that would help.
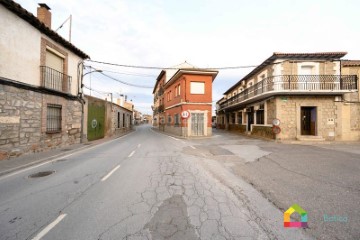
{"x": 184, "y": 89}
{"x": 303, "y": 96}
{"x": 105, "y": 119}
{"x": 40, "y": 92}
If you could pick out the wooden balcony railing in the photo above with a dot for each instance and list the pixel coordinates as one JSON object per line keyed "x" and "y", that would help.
{"x": 295, "y": 83}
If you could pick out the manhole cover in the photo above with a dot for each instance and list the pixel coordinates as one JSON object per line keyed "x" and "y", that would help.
{"x": 41, "y": 174}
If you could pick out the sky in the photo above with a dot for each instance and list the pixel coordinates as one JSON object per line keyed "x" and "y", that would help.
{"x": 205, "y": 33}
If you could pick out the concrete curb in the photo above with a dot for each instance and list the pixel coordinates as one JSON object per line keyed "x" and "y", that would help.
{"x": 62, "y": 154}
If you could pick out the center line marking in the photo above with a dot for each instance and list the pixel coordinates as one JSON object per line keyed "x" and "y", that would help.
{"x": 192, "y": 147}
{"x": 49, "y": 227}
{"x": 109, "y": 174}
{"x": 132, "y": 153}
{"x": 139, "y": 145}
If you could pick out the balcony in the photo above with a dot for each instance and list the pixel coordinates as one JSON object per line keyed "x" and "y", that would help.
{"x": 55, "y": 80}
{"x": 159, "y": 109}
{"x": 294, "y": 84}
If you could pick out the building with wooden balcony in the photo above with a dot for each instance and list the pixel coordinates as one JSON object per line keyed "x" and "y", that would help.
{"x": 184, "y": 89}
{"x": 303, "y": 96}
{"x": 40, "y": 92}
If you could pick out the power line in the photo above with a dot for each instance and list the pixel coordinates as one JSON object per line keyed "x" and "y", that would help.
{"x": 167, "y": 68}
{"x": 126, "y": 83}
{"x": 118, "y": 80}
{"x": 125, "y": 72}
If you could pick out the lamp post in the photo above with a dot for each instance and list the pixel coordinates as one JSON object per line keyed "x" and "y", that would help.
{"x": 96, "y": 70}
{"x": 82, "y": 138}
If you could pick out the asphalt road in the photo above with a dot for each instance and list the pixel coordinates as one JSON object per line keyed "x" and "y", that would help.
{"x": 145, "y": 185}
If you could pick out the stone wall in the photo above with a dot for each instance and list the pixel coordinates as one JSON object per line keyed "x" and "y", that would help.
{"x": 263, "y": 131}
{"x": 270, "y": 111}
{"x": 23, "y": 121}
{"x": 289, "y": 110}
{"x": 237, "y": 128}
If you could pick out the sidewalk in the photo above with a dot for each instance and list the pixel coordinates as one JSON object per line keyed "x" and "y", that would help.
{"x": 30, "y": 159}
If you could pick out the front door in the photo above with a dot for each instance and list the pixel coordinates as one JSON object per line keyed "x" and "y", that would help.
{"x": 308, "y": 121}
{"x": 250, "y": 120}
{"x": 197, "y": 124}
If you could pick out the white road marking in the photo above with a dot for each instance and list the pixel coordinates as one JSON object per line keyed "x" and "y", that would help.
{"x": 174, "y": 138}
{"x": 139, "y": 145}
{"x": 49, "y": 227}
{"x": 193, "y": 147}
{"x": 203, "y": 154}
{"x": 132, "y": 153}
{"x": 109, "y": 174}
{"x": 59, "y": 158}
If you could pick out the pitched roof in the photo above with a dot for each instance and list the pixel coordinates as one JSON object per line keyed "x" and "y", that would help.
{"x": 293, "y": 56}
{"x": 350, "y": 63}
{"x": 35, "y": 22}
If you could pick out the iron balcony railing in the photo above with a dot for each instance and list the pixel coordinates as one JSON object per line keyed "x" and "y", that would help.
{"x": 295, "y": 83}
{"x": 52, "y": 79}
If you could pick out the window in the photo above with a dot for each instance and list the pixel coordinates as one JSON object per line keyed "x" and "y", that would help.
{"x": 118, "y": 120}
{"x": 169, "y": 120}
{"x": 169, "y": 96}
{"x": 239, "y": 117}
{"x": 53, "y": 118}
{"x": 177, "y": 90}
{"x": 123, "y": 120}
{"x": 232, "y": 121}
{"x": 177, "y": 120}
{"x": 197, "y": 87}
{"x": 260, "y": 116}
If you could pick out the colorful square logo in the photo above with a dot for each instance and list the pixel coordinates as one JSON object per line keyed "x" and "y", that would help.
{"x": 301, "y": 212}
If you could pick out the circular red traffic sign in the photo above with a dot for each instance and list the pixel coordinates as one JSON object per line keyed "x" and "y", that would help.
{"x": 185, "y": 114}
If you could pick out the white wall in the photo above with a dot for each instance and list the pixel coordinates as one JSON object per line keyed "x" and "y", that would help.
{"x": 19, "y": 49}
{"x": 20, "y": 45}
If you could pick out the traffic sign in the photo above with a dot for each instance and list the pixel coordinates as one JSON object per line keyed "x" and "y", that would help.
{"x": 185, "y": 114}
{"x": 276, "y": 122}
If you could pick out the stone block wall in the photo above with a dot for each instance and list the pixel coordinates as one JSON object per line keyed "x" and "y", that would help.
{"x": 289, "y": 110}
{"x": 23, "y": 121}
{"x": 237, "y": 127}
{"x": 263, "y": 131}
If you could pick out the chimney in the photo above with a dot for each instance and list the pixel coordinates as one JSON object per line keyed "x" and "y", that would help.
{"x": 44, "y": 14}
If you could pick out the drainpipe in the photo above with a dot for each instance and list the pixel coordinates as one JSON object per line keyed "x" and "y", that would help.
{"x": 80, "y": 97}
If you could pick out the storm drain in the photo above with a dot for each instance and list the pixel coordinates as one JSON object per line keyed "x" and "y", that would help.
{"x": 41, "y": 174}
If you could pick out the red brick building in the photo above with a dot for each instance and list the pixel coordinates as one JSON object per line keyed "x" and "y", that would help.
{"x": 184, "y": 88}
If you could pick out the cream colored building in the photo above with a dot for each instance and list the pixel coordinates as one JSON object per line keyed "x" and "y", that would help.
{"x": 303, "y": 96}
{"x": 40, "y": 90}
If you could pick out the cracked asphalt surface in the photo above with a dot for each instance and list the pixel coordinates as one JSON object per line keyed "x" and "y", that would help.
{"x": 145, "y": 185}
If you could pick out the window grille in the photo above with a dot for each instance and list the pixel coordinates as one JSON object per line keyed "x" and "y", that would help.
{"x": 53, "y": 118}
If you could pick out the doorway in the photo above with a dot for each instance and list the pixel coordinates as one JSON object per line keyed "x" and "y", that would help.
{"x": 250, "y": 120}
{"x": 308, "y": 121}
{"x": 197, "y": 124}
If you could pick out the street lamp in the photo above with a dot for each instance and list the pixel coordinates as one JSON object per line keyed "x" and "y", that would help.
{"x": 81, "y": 98}
{"x": 96, "y": 70}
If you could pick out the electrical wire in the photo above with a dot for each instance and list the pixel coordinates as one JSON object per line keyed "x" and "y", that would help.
{"x": 126, "y": 83}
{"x": 167, "y": 68}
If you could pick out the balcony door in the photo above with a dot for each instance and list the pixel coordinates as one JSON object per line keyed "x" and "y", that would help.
{"x": 307, "y": 80}
{"x": 308, "y": 121}
{"x": 54, "y": 76}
